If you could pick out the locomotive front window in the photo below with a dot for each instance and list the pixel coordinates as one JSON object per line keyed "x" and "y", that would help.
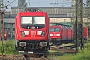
{"x": 26, "y": 20}
{"x": 57, "y": 29}
{"x": 39, "y": 20}
{"x": 33, "y": 22}
{"x": 51, "y": 29}
{"x": 54, "y": 29}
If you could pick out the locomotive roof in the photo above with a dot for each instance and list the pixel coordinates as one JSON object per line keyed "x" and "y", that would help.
{"x": 55, "y": 26}
{"x": 61, "y": 24}
{"x": 32, "y": 13}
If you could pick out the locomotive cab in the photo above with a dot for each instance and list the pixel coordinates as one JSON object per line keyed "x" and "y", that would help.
{"x": 32, "y": 32}
{"x": 55, "y": 35}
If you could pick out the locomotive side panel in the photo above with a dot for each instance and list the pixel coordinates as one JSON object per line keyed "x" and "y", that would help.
{"x": 64, "y": 33}
{"x": 85, "y": 33}
{"x": 69, "y": 33}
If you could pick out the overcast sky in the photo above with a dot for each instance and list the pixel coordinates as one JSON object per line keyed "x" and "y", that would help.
{"x": 41, "y": 3}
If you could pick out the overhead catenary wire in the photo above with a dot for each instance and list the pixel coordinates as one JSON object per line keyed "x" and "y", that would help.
{"x": 55, "y": 11}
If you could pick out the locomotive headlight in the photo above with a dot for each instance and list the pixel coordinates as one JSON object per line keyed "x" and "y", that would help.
{"x": 51, "y": 34}
{"x": 22, "y": 44}
{"x": 4, "y": 34}
{"x": 43, "y": 33}
{"x": 39, "y": 32}
{"x": 43, "y": 44}
{"x": 23, "y": 33}
{"x": 58, "y": 34}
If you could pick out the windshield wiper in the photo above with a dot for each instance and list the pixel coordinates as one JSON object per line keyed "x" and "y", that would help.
{"x": 28, "y": 25}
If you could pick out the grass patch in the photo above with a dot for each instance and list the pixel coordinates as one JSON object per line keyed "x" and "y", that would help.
{"x": 9, "y": 47}
{"x": 82, "y": 55}
{"x": 51, "y": 51}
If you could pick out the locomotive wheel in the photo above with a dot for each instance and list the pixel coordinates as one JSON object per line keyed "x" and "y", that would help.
{"x": 45, "y": 53}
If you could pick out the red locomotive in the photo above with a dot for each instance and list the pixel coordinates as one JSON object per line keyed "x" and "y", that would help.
{"x": 55, "y": 34}
{"x": 64, "y": 34}
{"x": 32, "y": 32}
{"x": 60, "y": 34}
{"x": 5, "y": 34}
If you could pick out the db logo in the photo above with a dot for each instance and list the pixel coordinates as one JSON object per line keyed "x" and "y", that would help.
{"x": 54, "y": 34}
{"x": 33, "y": 32}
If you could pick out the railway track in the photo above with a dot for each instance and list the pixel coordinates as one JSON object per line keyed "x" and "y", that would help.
{"x": 59, "y": 51}
{"x": 12, "y": 57}
{"x": 18, "y": 57}
{"x": 64, "y": 48}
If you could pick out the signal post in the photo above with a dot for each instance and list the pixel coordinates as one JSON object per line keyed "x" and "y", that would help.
{"x": 2, "y": 24}
{"x": 2, "y": 29}
{"x": 79, "y": 24}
